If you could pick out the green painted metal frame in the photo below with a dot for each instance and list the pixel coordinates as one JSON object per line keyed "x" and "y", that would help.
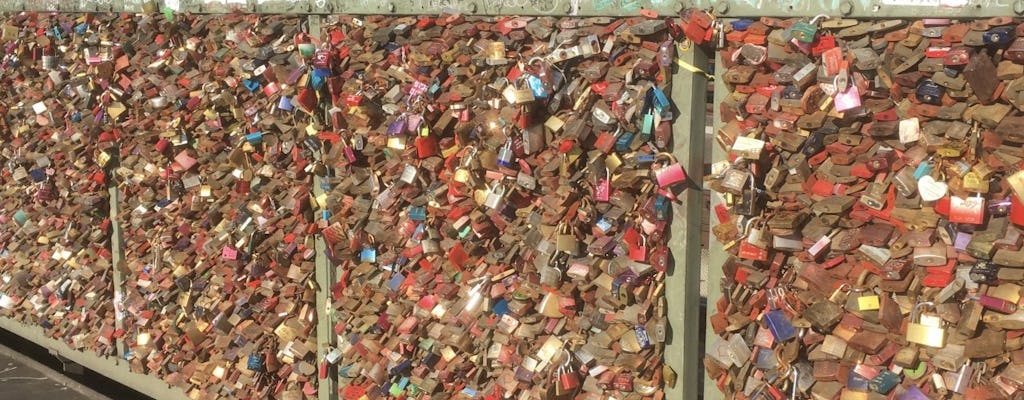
{"x": 688, "y": 94}
{"x": 716, "y": 253}
{"x": 117, "y": 265}
{"x": 724, "y": 8}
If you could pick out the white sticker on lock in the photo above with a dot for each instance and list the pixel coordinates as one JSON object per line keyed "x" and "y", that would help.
{"x": 39, "y": 107}
{"x": 910, "y": 130}
{"x": 601, "y": 115}
{"x": 930, "y": 189}
{"x": 408, "y": 174}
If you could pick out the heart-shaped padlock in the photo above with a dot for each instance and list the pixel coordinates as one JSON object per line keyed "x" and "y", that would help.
{"x": 930, "y": 189}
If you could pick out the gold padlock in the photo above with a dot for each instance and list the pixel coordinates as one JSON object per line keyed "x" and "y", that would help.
{"x": 925, "y": 331}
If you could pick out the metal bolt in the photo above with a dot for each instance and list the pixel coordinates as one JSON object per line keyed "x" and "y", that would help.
{"x": 680, "y": 6}
{"x": 846, "y": 7}
{"x": 722, "y": 7}
{"x": 391, "y": 7}
{"x": 1018, "y": 7}
{"x": 472, "y": 7}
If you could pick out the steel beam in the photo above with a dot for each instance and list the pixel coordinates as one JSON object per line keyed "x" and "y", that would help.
{"x": 716, "y": 252}
{"x": 325, "y": 276}
{"x": 403, "y": 7}
{"x": 689, "y": 95}
{"x": 584, "y": 8}
{"x": 117, "y": 264}
{"x": 862, "y": 8}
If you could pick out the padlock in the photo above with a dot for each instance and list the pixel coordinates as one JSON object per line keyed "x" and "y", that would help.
{"x": 927, "y": 332}
{"x": 777, "y": 321}
{"x": 751, "y": 200}
{"x": 805, "y": 32}
{"x": 568, "y": 383}
{"x": 929, "y": 93}
{"x": 669, "y": 173}
{"x": 969, "y": 210}
{"x": 639, "y": 252}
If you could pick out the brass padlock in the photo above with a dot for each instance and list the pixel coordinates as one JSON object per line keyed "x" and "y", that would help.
{"x": 926, "y": 330}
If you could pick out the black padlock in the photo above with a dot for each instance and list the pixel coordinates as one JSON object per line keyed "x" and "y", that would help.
{"x": 751, "y": 201}
{"x": 998, "y": 36}
{"x": 984, "y": 272}
{"x": 929, "y": 92}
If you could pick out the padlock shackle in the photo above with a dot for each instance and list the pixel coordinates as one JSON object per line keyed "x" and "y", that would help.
{"x": 746, "y": 227}
{"x": 814, "y": 21}
{"x": 665, "y": 154}
{"x": 795, "y": 374}
{"x": 915, "y": 313}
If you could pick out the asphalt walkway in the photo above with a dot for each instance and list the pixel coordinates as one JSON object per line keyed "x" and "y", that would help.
{"x": 23, "y": 378}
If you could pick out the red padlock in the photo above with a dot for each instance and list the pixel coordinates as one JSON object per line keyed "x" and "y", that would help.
{"x": 969, "y": 210}
{"x": 669, "y": 174}
{"x": 639, "y": 252}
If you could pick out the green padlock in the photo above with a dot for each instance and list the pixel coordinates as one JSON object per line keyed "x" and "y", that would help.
{"x": 806, "y": 32}
{"x": 918, "y": 372}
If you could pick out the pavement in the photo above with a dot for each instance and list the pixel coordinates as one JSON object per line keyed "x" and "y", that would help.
{"x": 24, "y": 378}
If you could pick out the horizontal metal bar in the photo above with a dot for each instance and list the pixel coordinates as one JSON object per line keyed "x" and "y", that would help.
{"x": 582, "y": 8}
{"x": 111, "y": 367}
{"x": 861, "y": 8}
{"x": 515, "y": 7}
{"x": 724, "y": 8}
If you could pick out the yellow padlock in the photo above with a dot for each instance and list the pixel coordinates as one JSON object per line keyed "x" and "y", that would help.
{"x": 927, "y": 331}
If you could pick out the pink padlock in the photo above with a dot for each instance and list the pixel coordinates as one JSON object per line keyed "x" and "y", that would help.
{"x": 603, "y": 189}
{"x": 184, "y": 160}
{"x": 669, "y": 173}
{"x": 848, "y": 100}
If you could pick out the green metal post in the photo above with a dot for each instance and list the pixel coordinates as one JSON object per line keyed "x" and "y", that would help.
{"x": 117, "y": 264}
{"x": 689, "y": 94}
{"x": 716, "y": 251}
{"x": 325, "y": 337}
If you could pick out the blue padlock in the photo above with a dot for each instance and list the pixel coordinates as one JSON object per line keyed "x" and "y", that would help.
{"x": 998, "y": 36}
{"x": 255, "y": 362}
{"x": 741, "y": 24}
{"x": 537, "y": 87}
{"x": 779, "y": 325}
{"x": 645, "y": 158}
{"x": 251, "y": 84}
{"x": 766, "y": 359}
{"x": 623, "y": 142}
{"x": 884, "y": 382}
{"x": 929, "y": 92}
{"x": 660, "y": 101}
{"x": 254, "y": 138}
{"x": 642, "y": 337}
{"x": 661, "y": 207}
{"x": 285, "y": 104}
{"x": 856, "y": 382}
{"x": 369, "y": 255}
{"x": 395, "y": 283}
{"x": 924, "y": 168}
{"x": 417, "y": 213}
